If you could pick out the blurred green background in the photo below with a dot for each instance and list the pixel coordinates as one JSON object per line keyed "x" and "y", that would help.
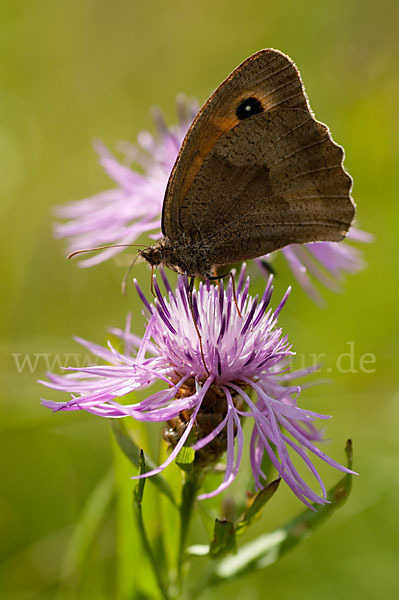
{"x": 75, "y": 70}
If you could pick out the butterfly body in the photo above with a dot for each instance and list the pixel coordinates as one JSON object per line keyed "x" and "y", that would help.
{"x": 255, "y": 173}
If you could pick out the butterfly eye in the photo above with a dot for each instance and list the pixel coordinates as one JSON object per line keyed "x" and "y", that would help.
{"x": 249, "y": 107}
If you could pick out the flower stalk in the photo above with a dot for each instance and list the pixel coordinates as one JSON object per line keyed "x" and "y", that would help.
{"x": 192, "y": 484}
{"x": 138, "y": 512}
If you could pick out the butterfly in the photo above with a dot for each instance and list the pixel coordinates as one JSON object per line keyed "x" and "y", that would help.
{"x": 255, "y": 172}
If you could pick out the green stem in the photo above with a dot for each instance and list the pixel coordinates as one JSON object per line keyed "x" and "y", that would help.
{"x": 148, "y": 550}
{"x": 189, "y": 492}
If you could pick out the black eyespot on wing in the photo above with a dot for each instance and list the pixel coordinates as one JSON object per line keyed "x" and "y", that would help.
{"x": 248, "y": 108}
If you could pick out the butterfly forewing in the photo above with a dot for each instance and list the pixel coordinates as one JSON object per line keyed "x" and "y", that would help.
{"x": 270, "y": 77}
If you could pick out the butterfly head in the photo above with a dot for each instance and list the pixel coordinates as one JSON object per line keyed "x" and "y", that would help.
{"x": 154, "y": 254}
{"x": 185, "y": 256}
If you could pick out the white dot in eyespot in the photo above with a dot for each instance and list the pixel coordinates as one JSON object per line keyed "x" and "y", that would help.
{"x": 248, "y": 107}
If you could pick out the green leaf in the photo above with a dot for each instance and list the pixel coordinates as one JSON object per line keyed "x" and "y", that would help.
{"x": 186, "y": 456}
{"x": 224, "y": 539}
{"x": 269, "y": 548}
{"x": 139, "y": 489}
{"x": 261, "y": 499}
{"x": 132, "y": 451}
{"x": 257, "y": 505}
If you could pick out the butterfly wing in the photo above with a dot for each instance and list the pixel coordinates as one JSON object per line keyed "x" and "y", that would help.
{"x": 256, "y": 171}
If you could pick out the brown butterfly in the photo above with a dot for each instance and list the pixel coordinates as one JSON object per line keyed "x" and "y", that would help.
{"x": 255, "y": 172}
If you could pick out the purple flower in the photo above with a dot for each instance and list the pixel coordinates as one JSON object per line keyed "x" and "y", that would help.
{"x": 242, "y": 373}
{"x": 121, "y": 215}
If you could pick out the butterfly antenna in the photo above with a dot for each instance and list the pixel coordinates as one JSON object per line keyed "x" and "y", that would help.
{"x": 76, "y": 252}
{"x": 190, "y": 302}
{"x": 126, "y": 275}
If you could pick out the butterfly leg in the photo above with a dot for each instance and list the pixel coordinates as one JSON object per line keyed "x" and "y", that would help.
{"x": 268, "y": 266}
{"x": 190, "y": 302}
{"x": 233, "y": 283}
{"x": 152, "y": 281}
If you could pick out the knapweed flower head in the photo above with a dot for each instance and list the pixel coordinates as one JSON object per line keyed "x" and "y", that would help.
{"x": 121, "y": 215}
{"x": 240, "y": 374}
